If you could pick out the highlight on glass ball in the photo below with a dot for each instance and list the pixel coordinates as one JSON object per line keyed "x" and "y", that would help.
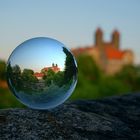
{"x": 41, "y": 73}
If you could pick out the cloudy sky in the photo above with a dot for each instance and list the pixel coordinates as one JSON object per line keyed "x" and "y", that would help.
{"x": 72, "y": 22}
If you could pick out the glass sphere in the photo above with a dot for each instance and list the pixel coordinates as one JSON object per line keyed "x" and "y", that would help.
{"x": 41, "y": 73}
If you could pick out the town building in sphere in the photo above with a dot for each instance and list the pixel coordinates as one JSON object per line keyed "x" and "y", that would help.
{"x": 40, "y": 75}
{"x": 54, "y": 68}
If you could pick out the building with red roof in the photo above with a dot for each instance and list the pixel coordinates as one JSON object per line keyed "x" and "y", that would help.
{"x": 40, "y": 75}
{"x": 108, "y": 55}
{"x": 54, "y": 68}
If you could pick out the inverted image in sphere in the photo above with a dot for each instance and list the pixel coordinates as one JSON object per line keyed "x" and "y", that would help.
{"x": 41, "y": 73}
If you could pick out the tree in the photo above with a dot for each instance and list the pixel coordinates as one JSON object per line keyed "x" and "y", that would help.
{"x": 88, "y": 76}
{"x": 88, "y": 68}
{"x": 59, "y": 78}
{"x": 130, "y": 75}
{"x": 2, "y": 70}
{"x": 94, "y": 84}
{"x": 9, "y": 70}
{"x": 14, "y": 75}
{"x": 28, "y": 76}
{"x": 49, "y": 77}
{"x": 70, "y": 66}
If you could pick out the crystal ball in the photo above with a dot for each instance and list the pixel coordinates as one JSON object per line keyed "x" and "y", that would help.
{"x": 41, "y": 73}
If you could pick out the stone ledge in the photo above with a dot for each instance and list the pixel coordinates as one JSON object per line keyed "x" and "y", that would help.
{"x": 110, "y": 118}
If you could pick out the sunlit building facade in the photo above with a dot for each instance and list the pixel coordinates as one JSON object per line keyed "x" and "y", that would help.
{"x": 108, "y": 55}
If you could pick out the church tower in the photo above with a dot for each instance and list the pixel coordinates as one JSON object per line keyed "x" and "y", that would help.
{"x": 116, "y": 39}
{"x": 99, "y": 42}
{"x": 98, "y": 37}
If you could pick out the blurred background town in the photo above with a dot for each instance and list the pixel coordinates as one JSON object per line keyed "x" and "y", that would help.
{"x": 103, "y": 36}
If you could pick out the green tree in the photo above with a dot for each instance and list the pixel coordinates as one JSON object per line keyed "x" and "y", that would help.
{"x": 2, "y": 70}
{"x": 9, "y": 70}
{"x": 49, "y": 77}
{"x": 109, "y": 86}
{"x": 28, "y": 76}
{"x": 70, "y": 66}
{"x": 92, "y": 83}
{"x": 88, "y": 68}
{"x": 89, "y": 76}
{"x": 14, "y": 74}
{"x": 130, "y": 75}
{"x": 59, "y": 78}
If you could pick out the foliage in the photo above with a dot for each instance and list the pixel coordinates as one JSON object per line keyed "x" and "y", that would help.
{"x": 110, "y": 85}
{"x": 49, "y": 77}
{"x": 21, "y": 80}
{"x": 59, "y": 78}
{"x": 2, "y": 70}
{"x": 130, "y": 75}
{"x": 28, "y": 76}
{"x": 55, "y": 78}
{"x": 70, "y": 66}
{"x": 92, "y": 82}
{"x": 88, "y": 68}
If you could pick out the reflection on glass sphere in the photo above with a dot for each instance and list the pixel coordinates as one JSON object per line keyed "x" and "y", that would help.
{"x": 41, "y": 73}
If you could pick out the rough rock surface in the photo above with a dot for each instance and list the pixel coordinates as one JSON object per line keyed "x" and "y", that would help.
{"x": 116, "y": 118}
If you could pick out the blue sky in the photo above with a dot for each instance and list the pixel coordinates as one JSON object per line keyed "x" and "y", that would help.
{"x": 72, "y": 22}
{"x": 39, "y": 53}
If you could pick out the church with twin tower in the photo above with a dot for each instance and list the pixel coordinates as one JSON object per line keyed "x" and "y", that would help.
{"x": 108, "y": 55}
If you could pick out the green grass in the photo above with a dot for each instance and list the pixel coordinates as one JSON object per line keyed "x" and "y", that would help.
{"x": 7, "y": 100}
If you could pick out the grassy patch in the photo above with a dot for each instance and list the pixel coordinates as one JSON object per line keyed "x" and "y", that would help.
{"x": 7, "y": 100}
